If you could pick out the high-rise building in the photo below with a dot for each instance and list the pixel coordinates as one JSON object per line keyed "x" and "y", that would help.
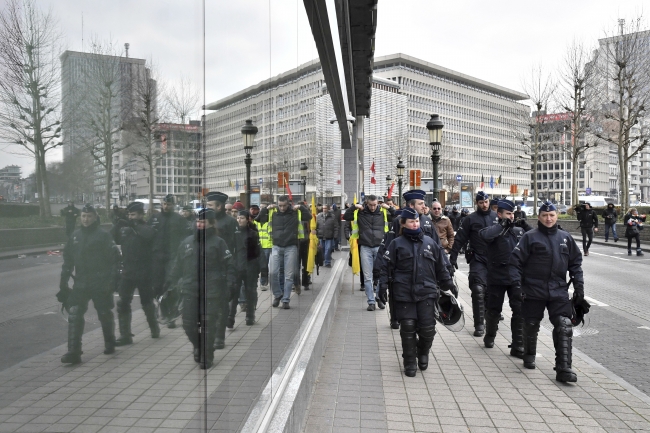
{"x": 293, "y": 115}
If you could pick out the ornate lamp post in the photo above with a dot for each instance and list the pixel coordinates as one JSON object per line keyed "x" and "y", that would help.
{"x": 400, "y": 175}
{"x": 389, "y": 181}
{"x": 248, "y": 131}
{"x": 435, "y": 125}
{"x": 303, "y": 177}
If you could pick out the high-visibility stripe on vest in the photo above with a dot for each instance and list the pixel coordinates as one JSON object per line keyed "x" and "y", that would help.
{"x": 301, "y": 228}
{"x": 265, "y": 238}
{"x": 355, "y": 224}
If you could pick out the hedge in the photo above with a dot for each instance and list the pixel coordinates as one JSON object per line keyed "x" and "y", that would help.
{"x": 18, "y": 210}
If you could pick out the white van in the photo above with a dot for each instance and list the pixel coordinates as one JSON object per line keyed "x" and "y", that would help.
{"x": 157, "y": 205}
{"x": 596, "y": 200}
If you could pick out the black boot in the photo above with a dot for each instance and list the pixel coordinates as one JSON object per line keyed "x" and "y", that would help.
{"x": 108, "y": 329}
{"x": 152, "y": 320}
{"x": 517, "y": 328}
{"x": 75, "y": 331}
{"x": 197, "y": 354}
{"x": 639, "y": 252}
{"x": 491, "y": 328}
{"x": 409, "y": 347}
{"x": 531, "y": 328}
{"x": 124, "y": 321}
{"x": 478, "y": 309}
{"x": 562, "y": 336}
{"x": 231, "y": 316}
{"x": 425, "y": 341}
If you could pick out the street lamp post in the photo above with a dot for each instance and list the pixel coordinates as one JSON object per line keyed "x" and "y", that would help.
{"x": 389, "y": 179}
{"x": 303, "y": 177}
{"x": 435, "y": 125}
{"x": 400, "y": 175}
{"x": 248, "y": 131}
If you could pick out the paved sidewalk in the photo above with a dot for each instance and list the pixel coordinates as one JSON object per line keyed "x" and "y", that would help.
{"x": 467, "y": 387}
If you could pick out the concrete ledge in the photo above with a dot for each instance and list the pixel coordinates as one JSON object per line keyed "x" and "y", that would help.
{"x": 283, "y": 403}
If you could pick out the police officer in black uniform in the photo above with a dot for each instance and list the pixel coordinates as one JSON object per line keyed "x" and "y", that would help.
{"x": 93, "y": 257}
{"x": 136, "y": 238}
{"x": 415, "y": 270}
{"x": 203, "y": 266}
{"x": 70, "y": 213}
{"x": 538, "y": 269}
{"x": 478, "y": 260}
{"x": 247, "y": 262}
{"x": 500, "y": 240}
{"x": 171, "y": 229}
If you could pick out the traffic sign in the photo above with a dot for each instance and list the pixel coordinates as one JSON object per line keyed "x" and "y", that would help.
{"x": 459, "y": 177}
{"x": 588, "y": 191}
{"x": 261, "y": 180}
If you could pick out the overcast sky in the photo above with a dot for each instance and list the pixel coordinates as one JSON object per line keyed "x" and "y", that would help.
{"x": 247, "y": 41}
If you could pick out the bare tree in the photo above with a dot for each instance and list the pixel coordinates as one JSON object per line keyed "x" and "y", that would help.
{"x": 30, "y": 86}
{"x": 183, "y": 99}
{"x": 101, "y": 107}
{"x": 576, "y": 96}
{"x": 540, "y": 87}
{"x": 623, "y": 72}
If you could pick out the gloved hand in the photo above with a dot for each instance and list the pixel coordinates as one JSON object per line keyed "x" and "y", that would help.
{"x": 520, "y": 222}
{"x": 578, "y": 294}
{"x": 382, "y": 293}
{"x": 449, "y": 286}
{"x": 518, "y": 294}
{"x": 506, "y": 222}
{"x": 453, "y": 259}
{"x": 63, "y": 284}
{"x": 64, "y": 293}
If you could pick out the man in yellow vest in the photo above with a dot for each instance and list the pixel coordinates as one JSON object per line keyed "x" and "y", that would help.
{"x": 285, "y": 230}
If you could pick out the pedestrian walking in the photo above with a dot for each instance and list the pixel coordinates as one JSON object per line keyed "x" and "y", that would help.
{"x": 327, "y": 230}
{"x": 610, "y": 216}
{"x": 135, "y": 238}
{"x": 476, "y": 253}
{"x": 444, "y": 227}
{"x": 286, "y": 229}
{"x": 247, "y": 263}
{"x": 70, "y": 213}
{"x": 205, "y": 273}
{"x": 501, "y": 239}
{"x": 415, "y": 271}
{"x": 266, "y": 245}
{"x": 633, "y": 226}
{"x": 369, "y": 223}
{"x": 92, "y": 256}
{"x": 538, "y": 270}
{"x": 454, "y": 216}
{"x": 588, "y": 225}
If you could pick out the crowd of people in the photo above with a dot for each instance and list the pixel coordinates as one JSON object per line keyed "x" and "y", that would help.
{"x": 200, "y": 265}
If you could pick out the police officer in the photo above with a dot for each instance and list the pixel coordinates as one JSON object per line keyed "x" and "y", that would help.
{"x": 226, "y": 225}
{"x": 136, "y": 238}
{"x": 190, "y": 217}
{"x": 500, "y": 240}
{"x": 171, "y": 229}
{"x": 93, "y": 257}
{"x": 538, "y": 268}
{"x": 414, "y": 199}
{"x": 469, "y": 232}
{"x": 70, "y": 213}
{"x": 415, "y": 270}
{"x": 203, "y": 266}
{"x": 494, "y": 204}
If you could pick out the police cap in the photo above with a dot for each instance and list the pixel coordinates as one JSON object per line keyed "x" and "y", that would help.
{"x": 135, "y": 206}
{"x": 207, "y": 214}
{"x": 409, "y": 214}
{"x": 547, "y": 206}
{"x": 414, "y": 194}
{"x": 88, "y": 208}
{"x": 188, "y": 207}
{"x": 169, "y": 198}
{"x": 216, "y": 196}
{"x": 482, "y": 196}
{"x": 506, "y": 205}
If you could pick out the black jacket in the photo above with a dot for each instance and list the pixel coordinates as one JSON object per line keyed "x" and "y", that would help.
{"x": 327, "y": 226}
{"x": 136, "y": 238}
{"x": 247, "y": 249}
{"x": 416, "y": 269}
{"x": 371, "y": 224}
{"x": 171, "y": 229}
{"x": 520, "y": 214}
{"x": 541, "y": 260}
{"x": 203, "y": 265}
{"x": 455, "y": 219}
{"x": 632, "y": 224}
{"x": 610, "y": 215}
{"x": 284, "y": 225}
{"x": 500, "y": 243}
{"x": 469, "y": 232}
{"x": 93, "y": 257}
{"x": 226, "y": 228}
{"x": 588, "y": 218}
{"x": 70, "y": 213}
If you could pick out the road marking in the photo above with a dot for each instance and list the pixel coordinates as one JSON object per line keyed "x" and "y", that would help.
{"x": 643, "y": 327}
{"x": 592, "y": 301}
{"x": 614, "y": 257}
{"x": 49, "y": 312}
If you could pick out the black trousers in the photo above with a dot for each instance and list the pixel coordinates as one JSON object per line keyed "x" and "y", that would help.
{"x": 587, "y": 237}
{"x": 209, "y": 315}
{"x": 423, "y": 312}
{"x": 303, "y": 254}
{"x": 496, "y": 294}
{"x": 534, "y": 308}
{"x": 127, "y": 289}
{"x": 477, "y": 273}
{"x": 638, "y": 241}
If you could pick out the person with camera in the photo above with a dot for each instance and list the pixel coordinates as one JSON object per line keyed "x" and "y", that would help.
{"x": 610, "y": 215}
{"x": 588, "y": 225}
{"x": 633, "y": 225}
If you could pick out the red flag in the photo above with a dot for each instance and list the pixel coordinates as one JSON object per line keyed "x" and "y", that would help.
{"x": 372, "y": 170}
{"x": 286, "y": 185}
{"x": 482, "y": 182}
{"x": 372, "y": 167}
{"x": 390, "y": 190}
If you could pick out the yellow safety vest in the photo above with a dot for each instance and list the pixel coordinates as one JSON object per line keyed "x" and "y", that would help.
{"x": 355, "y": 224}
{"x": 265, "y": 238}
{"x": 301, "y": 228}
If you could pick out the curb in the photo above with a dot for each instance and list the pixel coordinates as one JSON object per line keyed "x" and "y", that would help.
{"x": 30, "y": 253}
